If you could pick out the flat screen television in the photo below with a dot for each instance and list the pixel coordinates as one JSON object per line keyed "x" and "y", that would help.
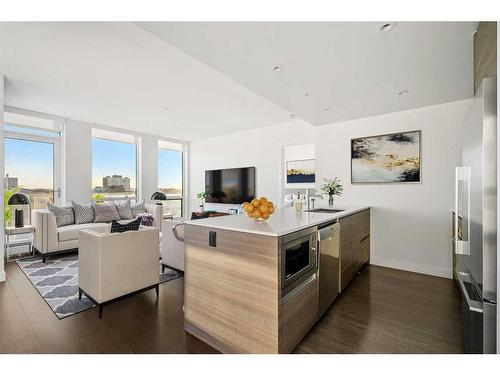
{"x": 234, "y": 186}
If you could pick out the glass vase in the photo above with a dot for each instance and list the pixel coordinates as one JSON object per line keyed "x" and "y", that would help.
{"x": 330, "y": 200}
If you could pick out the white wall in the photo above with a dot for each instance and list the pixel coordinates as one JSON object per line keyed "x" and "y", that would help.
{"x": 410, "y": 223}
{"x": 149, "y": 166}
{"x": 2, "y": 173}
{"x": 77, "y": 165}
{"x": 260, "y": 148}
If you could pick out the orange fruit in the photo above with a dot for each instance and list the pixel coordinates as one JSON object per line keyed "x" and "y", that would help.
{"x": 249, "y": 208}
{"x": 265, "y": 215}
{"x": 255, "y": 202}
{"x": 264, "y": 208}
{"x": 270, "y": 204}
{"x": 263, "y": 200}
{"x": 256, "y": 214}
{"x": 271, "y": 210}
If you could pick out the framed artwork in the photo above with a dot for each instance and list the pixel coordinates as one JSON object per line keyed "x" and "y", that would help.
{"x": 387, "y": 158}
{"x": 300, "y": 173}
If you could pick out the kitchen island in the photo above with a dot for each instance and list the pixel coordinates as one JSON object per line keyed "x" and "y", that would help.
{"x": 240, "y": 296}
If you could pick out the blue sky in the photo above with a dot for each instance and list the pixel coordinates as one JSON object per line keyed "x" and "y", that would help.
{"x": 169, "y": 169}
{"x": 109, "y": 158}
{"x": 32, "y": 163}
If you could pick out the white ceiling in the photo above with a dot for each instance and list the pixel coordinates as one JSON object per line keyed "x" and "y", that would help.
{"x": 351, "y": 67}
{"x": 125, "y": 74}
{"x": 118, "y": 74}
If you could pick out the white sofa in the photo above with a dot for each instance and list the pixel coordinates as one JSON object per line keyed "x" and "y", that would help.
{"x": 115, "y": 265}
{"x": 49, "y": 239}
{"x": 172, "y": 250}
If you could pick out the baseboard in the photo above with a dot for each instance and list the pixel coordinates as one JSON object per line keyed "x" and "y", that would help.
{"x": 412, "y": 267}
{"x": 3, "y": 276}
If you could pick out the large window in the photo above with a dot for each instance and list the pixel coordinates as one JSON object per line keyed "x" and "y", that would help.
{"x": 114, "y": 166}
{"x": 170, "y": 176}
{"x": 31, "y": 157}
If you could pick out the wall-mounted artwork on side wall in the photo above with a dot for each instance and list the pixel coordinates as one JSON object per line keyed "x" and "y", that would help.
{"x": 300, "y": 171}
{"x": 388, "y": 158}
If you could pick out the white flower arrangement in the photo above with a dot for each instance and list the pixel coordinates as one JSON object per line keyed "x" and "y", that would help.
{"x": 332, "y": 187}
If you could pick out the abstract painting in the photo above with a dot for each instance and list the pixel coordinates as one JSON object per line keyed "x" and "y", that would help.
{"x": 300, "y": 171}
{"x": 386, "y": 158}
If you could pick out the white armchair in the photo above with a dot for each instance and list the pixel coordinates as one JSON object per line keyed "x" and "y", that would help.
{"x": 112, "y": 266}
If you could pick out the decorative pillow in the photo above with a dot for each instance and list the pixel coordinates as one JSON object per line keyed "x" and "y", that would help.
{"x": 105, "y": 212}
{"x": 138, "y": 208}
{"x": 64, "y": 215}
{"x": 116, "y": 227}
{"x": 147, "y": 219}
{"x": 83, "y": 213}
{"x": 124, "y": 210}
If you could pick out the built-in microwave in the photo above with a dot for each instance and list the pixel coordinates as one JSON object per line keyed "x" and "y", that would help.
{"x": 299, "y": 258}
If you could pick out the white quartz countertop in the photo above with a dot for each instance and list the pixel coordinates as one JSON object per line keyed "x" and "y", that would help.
{"x": 283, "y": 221}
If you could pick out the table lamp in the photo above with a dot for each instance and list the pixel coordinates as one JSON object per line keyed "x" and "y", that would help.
{"x": 158, "y": 196}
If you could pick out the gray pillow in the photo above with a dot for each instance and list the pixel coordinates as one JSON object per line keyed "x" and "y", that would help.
{"x": 64, "y": 215}
{"x": 83, "y": 213}
{"x": 124, "y": 210}
{"x": 138, "y": 208}
{"x": 105, "y": 212}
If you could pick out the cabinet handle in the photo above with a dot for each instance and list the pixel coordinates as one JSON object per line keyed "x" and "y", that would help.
{"x": 364, "y": 238}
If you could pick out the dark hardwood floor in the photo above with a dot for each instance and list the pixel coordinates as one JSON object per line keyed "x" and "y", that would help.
{"x": 382, "y": 311}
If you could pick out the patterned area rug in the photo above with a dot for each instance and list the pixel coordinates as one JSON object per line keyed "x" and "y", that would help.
{"x": 57, "y": 282}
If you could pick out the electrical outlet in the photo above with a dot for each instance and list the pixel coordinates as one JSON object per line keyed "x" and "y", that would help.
{"x": 212, "y": 238}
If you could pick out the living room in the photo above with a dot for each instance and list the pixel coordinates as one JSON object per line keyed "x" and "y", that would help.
{"x": 248, "y": 187}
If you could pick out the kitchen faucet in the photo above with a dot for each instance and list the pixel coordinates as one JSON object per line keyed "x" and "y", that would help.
{"x": 311, "y": 198}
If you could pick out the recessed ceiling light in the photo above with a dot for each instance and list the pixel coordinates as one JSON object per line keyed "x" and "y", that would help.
{"x": 278, "y": 68}
{"x": 307, "y": 93}
{"x": 402, "y": 93}
{"x": 327, "y": 109}
{"x": 166, "y": 108}
{"x": 387, "y": 26}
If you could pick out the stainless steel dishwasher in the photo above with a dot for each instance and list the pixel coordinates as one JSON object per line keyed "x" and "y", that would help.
{"x": 329, "y": 252}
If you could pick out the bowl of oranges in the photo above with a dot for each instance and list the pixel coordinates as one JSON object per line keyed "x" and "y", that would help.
{"x": 259, "y": 209}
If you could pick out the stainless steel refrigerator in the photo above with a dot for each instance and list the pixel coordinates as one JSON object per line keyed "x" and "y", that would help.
{"x": 476, "y": 221}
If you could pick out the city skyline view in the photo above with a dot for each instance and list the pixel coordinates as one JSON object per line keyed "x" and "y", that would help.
{"x": 113, "y": 158}
{"x": 32, "y": 163}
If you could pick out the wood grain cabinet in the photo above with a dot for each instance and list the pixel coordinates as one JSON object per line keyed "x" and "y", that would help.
{"x": 354, "y": 245}
{"x": 298, "y": 315}
{"x": 232, "y": 293}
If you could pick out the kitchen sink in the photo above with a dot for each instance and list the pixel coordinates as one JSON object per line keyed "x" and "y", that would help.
{"x": 324, "y": 210}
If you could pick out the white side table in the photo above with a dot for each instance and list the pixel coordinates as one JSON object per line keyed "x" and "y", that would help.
{"x": 12, "y": 231}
